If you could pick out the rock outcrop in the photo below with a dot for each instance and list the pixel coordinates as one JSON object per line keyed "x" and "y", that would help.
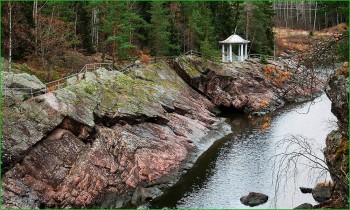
{"x": 110, "y": 139}
{"x": 250, "y": 86}
{"x": 106, "y": 141}
{"x": 337, "y": 142}
{"x": 19, "y": 87}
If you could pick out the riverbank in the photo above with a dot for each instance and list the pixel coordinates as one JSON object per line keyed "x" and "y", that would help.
{"x": 242, "y": 162}
{"x": 337, "y": 142}
{"x": 251, "y": 86}
{"x": 110, "y": 139}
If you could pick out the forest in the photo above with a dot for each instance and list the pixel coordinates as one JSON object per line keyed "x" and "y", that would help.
{"x": 134, "y": 104}
{"x": 59, "y": 35}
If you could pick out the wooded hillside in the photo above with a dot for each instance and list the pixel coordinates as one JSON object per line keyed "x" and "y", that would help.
{"x": 60, "y": 37}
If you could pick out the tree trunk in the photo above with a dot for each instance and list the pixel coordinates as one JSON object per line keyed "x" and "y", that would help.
{"x": 94, "y": 29}
{"x": 10, "y": 38}
{"x": 248, "y": 16}
{"x": 337, "y": 18}
{"x": 315, "y": 16}
{"x": 303, "y": 16}
{"x": 114, "y": 46}
{"x": 35, "y": 18}
{"x": 310, "y": 16}
{"x": 291, "y": 14}
{"x": 297, "y": 15}
{"x": 75, "y": 24}
{"x": 286, "y": 13}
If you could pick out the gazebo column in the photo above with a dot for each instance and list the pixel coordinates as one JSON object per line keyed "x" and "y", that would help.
{"x": 223, "y": 52}
{"x": 242, "y": 52}
{"x": 230, "y": 52}
{"x": 227, "y": 53}
{"x": 246, "y": 51}
{"x": 239, "y": 51}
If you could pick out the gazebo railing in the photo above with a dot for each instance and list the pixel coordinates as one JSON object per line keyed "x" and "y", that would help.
{"x": 259, "y": 56}
{"x": 60, "y": 83}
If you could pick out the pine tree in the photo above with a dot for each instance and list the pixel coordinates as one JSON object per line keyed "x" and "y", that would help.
{"x": 119, "y": 25}
{"x": 225, "y": 17}
{"x": 201, "y": 24}
{"x": 257, "y": 23}
{"x": 159, "y": 29}
{"x": 175, "y": 28}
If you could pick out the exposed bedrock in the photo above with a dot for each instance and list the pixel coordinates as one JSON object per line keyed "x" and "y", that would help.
{"x": 337, "y": 142}
{"x": 106, "y": 141}
{"x": 112, "y": 139}
{"x": 250, "y": 86}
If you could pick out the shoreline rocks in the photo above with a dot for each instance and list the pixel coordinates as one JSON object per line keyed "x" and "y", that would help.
{"x": 249, "y": 86}
{"x": 113, "y": 139}
{"x": 305, "y": 189}
{"x": 254, "y": 199}
{"x": 337, "y": 142}
{"x": 322, "y": 192}
{"x": 304, "y": 206}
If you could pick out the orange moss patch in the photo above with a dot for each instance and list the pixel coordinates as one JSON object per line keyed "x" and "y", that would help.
{"x": 276, "y": 75}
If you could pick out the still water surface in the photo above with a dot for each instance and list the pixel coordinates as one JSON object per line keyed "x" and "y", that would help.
{"x": 241, "y": 162}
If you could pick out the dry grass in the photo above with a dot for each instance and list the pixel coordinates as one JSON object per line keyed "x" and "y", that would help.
{"x": 293, "y": 41}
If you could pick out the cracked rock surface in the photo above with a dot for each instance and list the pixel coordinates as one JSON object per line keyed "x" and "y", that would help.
{"x": 108, "y": 140}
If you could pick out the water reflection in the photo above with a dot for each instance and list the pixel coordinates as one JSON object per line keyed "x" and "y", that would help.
{"x": 239, "y": 163}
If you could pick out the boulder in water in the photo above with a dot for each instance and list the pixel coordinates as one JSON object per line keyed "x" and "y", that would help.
{"x": 304, "y": 206}
{"x": 322, "y": 192}
{"x": 254, "y": 199}
{"x": 305, "y": 189}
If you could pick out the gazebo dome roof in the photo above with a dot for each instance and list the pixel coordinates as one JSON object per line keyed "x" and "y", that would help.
{"x": 234, "y": 39}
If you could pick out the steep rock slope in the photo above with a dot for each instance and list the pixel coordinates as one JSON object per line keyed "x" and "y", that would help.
{"x": 250, "y": 86}
{"x": 106, "y": 141}
{"x": 337, "y": 142}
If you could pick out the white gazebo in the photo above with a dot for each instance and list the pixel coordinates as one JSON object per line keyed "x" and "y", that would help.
{"x": 228, "y": 55}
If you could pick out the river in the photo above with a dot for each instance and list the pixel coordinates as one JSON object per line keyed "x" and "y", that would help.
{"x": 242, "y": 161}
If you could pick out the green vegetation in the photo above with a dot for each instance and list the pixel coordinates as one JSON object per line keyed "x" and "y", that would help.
{"x": 159, "y": 34}
{"x": 46, "y": 33}
{"x": 263, "y": 59}
{"x": 256, "y": 24}
{"x": 57, "y": 37}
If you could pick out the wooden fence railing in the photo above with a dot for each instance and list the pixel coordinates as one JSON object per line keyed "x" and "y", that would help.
{"x": 60, "y": 83}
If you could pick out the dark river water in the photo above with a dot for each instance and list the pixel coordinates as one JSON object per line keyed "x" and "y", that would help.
{"x": 241, "y": 162}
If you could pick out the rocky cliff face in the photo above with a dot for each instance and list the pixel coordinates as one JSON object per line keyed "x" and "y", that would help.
{"x": 250, "y": 86}
{"x": 112, "y": 139}
{"x": 337, "y": 142}
{"x": 106, "y": 141}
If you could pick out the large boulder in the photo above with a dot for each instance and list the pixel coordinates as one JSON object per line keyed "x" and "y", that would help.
{"x": 305, "y": 189}
{"x": 304, "y": 206}
{"x": 22, "y": 80}
{"x": 322, "y": 192}
{"x": 254, "y": 199}
{"x": 19, "y": 87}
